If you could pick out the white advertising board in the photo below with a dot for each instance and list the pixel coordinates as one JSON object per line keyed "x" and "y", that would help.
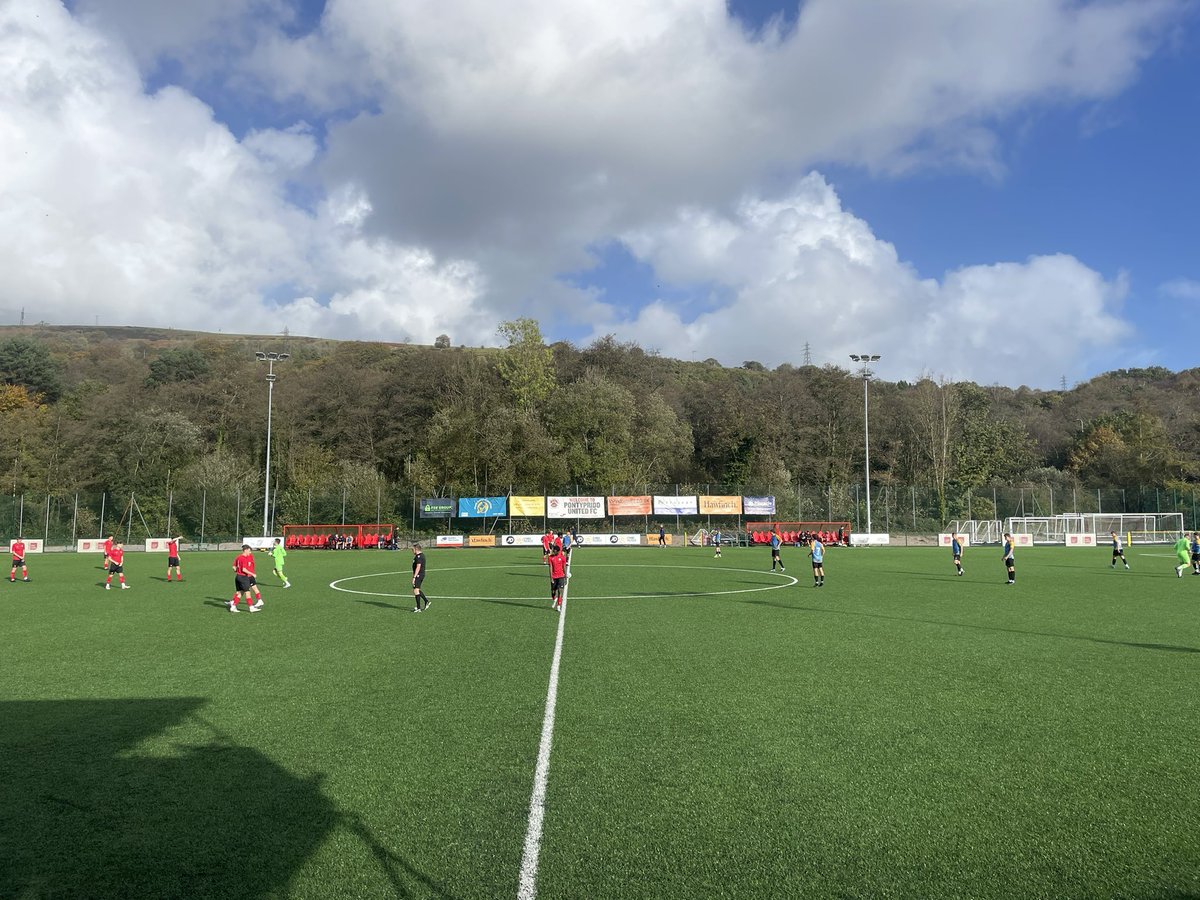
{"x": 450, "y": 540}
{"x": 869, "y": 540}
{"x": 1080, "y": 540}
{"x": 257, "y": 543}
{"x": 947, "y": 539}
{"x": 90, "y": 545}
{"x": 520, "y": 540}
{"x": 610, "y": 540}
{"x": 32, "y": 545}
{"x": 575, "y": 507}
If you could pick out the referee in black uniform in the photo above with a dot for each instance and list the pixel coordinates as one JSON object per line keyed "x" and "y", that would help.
{"x": 418, "y": 577}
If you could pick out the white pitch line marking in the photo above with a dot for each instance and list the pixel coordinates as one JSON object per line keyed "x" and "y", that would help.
{"x": 788, "y": 582}
{"x": 527, "y": 886}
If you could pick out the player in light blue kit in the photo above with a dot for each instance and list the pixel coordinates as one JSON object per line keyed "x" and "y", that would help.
{"x": 817, "y": 552}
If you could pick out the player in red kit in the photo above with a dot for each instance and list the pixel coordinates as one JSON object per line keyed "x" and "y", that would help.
{"x": 108, "y": 545}
{"x": 18, "y": 553}
{"x": 116, "y": 566}
{"x": 244, "y": 582}
{"x": 547, "y": 539}
{"x": 558, "y": 576}
{"x": 173, "y": 558}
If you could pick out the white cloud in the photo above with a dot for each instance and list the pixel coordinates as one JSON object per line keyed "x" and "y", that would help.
{"x": 486, "y": 147}
{"x": 805, "y": 271}
{"x": 138, "y": 209}
{"x": 1181, "y": 289}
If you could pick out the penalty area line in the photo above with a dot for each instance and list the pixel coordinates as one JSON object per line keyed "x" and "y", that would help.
{"x": 527, "y": 885}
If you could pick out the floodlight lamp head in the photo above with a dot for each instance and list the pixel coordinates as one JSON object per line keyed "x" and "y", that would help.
{"x": 259, "y": 355}
{"x": 283, "y": 356}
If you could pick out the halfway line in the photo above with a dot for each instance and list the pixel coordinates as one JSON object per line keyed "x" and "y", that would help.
{"x": 527, "y": 887}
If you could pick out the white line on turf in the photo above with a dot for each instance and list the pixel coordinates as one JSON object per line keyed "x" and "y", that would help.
{"x": 787, "y": 582}
{"x": 527, "y": 886}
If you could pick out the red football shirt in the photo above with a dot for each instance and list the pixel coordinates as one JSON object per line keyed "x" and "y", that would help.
{"x": 108, "y": 547}
{"x": 18, "y": 550}
{"x": 546, "y": 543}
{"x": 244, "y": 564}
{"x": 116, "y": 554}
{"x": 172, "y": 548}
{"x": 558, "y": 565}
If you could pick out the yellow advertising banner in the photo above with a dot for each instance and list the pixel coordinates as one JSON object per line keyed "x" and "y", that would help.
{"x": 629, "y": 506}
{"x": 720, "y": 506}
{"x": 481, "y": 540}
{"x": 652, "y": 539}
{"x": 526, "y": 506}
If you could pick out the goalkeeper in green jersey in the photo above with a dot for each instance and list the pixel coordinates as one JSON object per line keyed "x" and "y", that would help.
{"x": 1183, "y": 552}
{"x": 279, "y": 554}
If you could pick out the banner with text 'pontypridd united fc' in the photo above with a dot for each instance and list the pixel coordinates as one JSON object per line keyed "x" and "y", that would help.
{"x": 575, "y": 507}
{"x": 666, "y": 505}
{"x": 758, "y": 506}
{"x": 482, "y": 507}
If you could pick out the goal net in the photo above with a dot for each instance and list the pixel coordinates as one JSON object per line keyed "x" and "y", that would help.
{"x": 1058, "y": 529}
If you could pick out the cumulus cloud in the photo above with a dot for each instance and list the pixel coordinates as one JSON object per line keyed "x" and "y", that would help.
{"x": 436, "y": 167}
{"x": 801, "y": 270}
{"x": 141, "y": 209}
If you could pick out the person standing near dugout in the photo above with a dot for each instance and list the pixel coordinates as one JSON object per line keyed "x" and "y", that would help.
{"x": 116, "y": 566}
{"x": 244, "y": 582}
{"x": 817, "y": 552}
{"x": 418, "y": 577}
{"x": 776, "y": 543}
{"x": 18, "y": 559}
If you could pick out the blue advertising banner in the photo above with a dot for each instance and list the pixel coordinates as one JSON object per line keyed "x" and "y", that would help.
{"x": 758, "y": 506}
{"x": 437, "y": 508}
{"x": 481, "y": 507}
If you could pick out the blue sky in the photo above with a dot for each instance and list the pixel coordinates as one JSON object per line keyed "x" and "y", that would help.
{"x": 999, "y": 190}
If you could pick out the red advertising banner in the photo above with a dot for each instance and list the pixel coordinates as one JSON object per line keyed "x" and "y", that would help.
{"x": 629, "y": 506}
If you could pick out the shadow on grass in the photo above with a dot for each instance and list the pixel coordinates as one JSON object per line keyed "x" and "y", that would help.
{"x": 527, "y": 574}
{"x": 532, "y": 604}
{"x": 216, "y": 601}
{"x": 1170, "y": 648}
{"x": 86, "y": 814}
{"x": 381, "y": 604}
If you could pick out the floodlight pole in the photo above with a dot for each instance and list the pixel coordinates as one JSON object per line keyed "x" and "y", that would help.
{"x": 270, "y": 359}
{"x": 865, "y": 359}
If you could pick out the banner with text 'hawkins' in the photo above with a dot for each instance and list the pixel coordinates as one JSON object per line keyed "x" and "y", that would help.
{"x": 575, "y": 507}
{"x": 758, "y": 506}
{"x": 482, "y": 507}
{"x": 675, "y": 506}
{"x": 720, "y": 506}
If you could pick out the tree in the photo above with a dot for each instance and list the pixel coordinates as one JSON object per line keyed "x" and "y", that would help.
{"x": 174, "y": 366}
{"x": 934, "y": 427}
{"x": 527, "y": 365}
{"x": 28, "y": 363}
{"x": 442, "y": 342}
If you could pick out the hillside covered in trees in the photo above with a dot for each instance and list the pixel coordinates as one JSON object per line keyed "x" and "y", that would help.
{"x": 148, "y": 410}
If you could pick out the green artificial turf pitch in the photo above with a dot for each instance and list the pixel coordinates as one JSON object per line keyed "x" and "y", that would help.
{"x": 721, "y": 731}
